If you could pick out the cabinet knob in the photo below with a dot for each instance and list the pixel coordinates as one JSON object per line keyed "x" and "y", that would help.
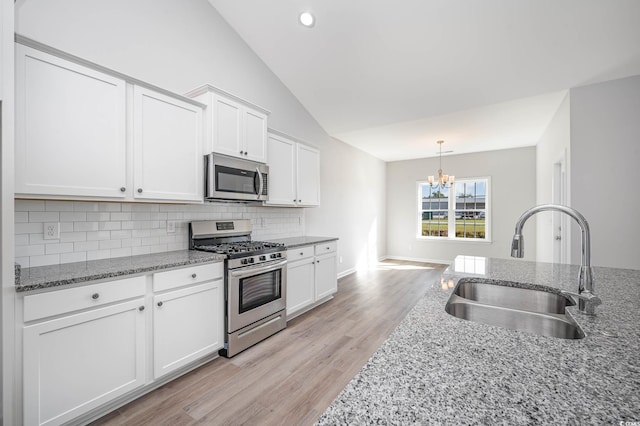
{"x": 301, "y": 253}
{"x": 94, "y": 296}
{"x": 139, "y": 190}
{"x": 141, "y": 308}
{"x": 160, "y": 303}
{"x": 193, "y": 275}
{"x": 241, "y": 152}
{"x": 246, "y": 153}
{"x": 123, "y": 189}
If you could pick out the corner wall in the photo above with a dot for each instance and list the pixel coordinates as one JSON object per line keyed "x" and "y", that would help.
{"x": 605, "y": 169}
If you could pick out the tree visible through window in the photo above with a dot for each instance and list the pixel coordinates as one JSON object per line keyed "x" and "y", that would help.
{"x": 464, "y": 215}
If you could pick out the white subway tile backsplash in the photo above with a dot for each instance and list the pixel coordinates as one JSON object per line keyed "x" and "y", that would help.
{"x": 102, "y": 230}
{"x": 44, "y": 216}
{"x": 97, "y": 217}
{"x": 59, "y": 248}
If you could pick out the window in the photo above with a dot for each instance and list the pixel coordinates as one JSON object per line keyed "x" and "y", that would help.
{"x": 461, "y": 212}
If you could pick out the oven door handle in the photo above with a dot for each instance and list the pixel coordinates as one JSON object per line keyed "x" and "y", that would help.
{"x": 252, "y": 271}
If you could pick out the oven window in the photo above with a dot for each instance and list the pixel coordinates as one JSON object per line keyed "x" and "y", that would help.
{"x": 235, "y": 180}
{"x": 259, "y": 289}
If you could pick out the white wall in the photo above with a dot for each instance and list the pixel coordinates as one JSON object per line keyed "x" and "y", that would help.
{"x": 179, "y": 45}
{"x": 605, "y": 169}
{"x": 356, "y": 201}
{"x": 513, "y": 190}
{"x": 554, "y": 144}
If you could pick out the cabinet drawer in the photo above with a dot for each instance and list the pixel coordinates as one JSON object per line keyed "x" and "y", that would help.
{"x": 324, "y": 248}
{"x": 185, "y": 276}
{"x": 299, "y": 253}
{"x": 63, "y": 301}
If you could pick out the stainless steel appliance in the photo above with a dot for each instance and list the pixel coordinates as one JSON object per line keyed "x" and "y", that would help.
{"x": 229, "y": 178}
{"x": 255, "y": 281}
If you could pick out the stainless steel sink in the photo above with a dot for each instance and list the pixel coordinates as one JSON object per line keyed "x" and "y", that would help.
{"x": 503, "y": 304}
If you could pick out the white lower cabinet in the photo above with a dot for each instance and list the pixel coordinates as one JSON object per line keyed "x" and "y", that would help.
{"x": 187, "y": 325}
{"x": 311, "y": 276}
{"x": 78, "y": 362}
{"x": 84, "y": 347}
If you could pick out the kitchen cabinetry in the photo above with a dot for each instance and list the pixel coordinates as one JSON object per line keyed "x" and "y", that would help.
{"x": 294, "y": 173}
{"x": 84, "y": 132}
{"x": 85, "y": 347}
{"x": 188, "y": 320}
{"x": 235, "y": 127}
{"x": 167, "y": 145}
{"x": 311, "y": 276}
{"x": 70, "y": 128}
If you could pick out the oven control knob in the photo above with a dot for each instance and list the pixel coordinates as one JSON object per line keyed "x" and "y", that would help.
{"x": 273, "y": 256}
{"x": 263, "y": 258}
{"x": 244, "y": 261}
{"x": 279, "y": 254}
{"x": 251, "y": 260}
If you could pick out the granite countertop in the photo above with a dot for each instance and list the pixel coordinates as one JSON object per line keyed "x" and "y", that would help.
{"x": 303, "y": 241}
{"x": 435, "y": 368}
{"x": 41, "y": 277}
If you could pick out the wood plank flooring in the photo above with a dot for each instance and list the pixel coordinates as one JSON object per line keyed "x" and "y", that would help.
{"x": 292, "y": 377}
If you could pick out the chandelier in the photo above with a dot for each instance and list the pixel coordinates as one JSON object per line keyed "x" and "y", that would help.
{"x": 443, "y": 180}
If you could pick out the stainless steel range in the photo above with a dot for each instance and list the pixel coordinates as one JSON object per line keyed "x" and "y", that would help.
{"x": 255, "y": 280}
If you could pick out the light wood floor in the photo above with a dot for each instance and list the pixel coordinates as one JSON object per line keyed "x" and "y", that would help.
{"x": 292, "y": 377}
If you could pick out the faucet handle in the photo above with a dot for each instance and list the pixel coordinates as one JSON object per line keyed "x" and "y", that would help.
{"x": 587, "y": 301}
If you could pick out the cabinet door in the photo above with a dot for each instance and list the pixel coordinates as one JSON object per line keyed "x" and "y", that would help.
{"x": 300, "y": 288}
{"x": 308, "y": 183}
{"x": 70, "y": 128}
{"x": 282, "y": 171}
{"x": 167, "y": 147}
{"x": 255, "y": 135}
{"x": 227, "y": 127}
{"x": 326, "y": 275}
{"x": 187, "y": 324}
{"x": 76, "y": 363}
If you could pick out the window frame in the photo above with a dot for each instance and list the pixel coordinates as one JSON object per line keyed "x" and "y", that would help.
{"x": 451, "y": 213}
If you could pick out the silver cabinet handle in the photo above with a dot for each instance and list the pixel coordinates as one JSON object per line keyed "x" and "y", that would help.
{"x": 122, "y": 189}
{"x": 193, "y": 275}
{"x": 139, "y": 190}
{"x": 160, "y": 303}
{"x": 141, "y": 308}
{"x": 94, "y": 296}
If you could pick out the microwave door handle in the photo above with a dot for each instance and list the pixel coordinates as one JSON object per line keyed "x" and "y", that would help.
{"x": 209, "y": 184}
{"x": 252, "y": 271}
{"x": 261, "y": 182}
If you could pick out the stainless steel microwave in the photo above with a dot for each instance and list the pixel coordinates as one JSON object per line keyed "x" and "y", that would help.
{"x": 229, "y": 178}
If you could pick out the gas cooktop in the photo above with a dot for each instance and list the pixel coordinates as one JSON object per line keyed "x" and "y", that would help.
{"x": 241, "y": 248}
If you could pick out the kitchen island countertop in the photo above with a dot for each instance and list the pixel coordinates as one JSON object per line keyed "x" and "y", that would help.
{"x": 438, "y": 369}
{"x": 42, "y": 277}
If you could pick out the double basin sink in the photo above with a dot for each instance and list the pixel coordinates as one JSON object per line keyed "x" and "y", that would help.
{"x": 504, "y": 304}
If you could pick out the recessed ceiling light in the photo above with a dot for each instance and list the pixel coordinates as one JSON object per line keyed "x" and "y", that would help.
{"x": 307, "y": 19}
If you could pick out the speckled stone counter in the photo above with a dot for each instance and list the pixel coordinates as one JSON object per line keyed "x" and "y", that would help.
{"x": 438, "y": 369}
{"x": 303, "y": 241}
{"x": 78, "y": 272}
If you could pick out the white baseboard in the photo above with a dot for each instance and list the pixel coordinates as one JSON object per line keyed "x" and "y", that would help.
{"x": 420, "y": 259}
{"x": 347, "y": 272}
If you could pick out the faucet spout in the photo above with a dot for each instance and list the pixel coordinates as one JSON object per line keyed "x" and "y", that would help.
{"x": 585, "y": 277}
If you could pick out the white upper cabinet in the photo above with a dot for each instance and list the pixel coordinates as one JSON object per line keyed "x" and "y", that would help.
{"x": 308, "y": 175}
{"x": 282, "y": 171}
{"x": 167, "y": 145}
{"x": 234, "y": 127}
{"x": 85, "y": 132}
{"x": 70, "y": 128}
{"x": 294, "y": 173}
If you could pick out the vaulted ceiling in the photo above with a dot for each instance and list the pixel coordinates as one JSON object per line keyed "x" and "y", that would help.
{"x": 393, "y": 77}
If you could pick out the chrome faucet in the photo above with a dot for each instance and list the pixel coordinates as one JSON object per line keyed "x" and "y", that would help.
{"x": 587, "y": 301}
